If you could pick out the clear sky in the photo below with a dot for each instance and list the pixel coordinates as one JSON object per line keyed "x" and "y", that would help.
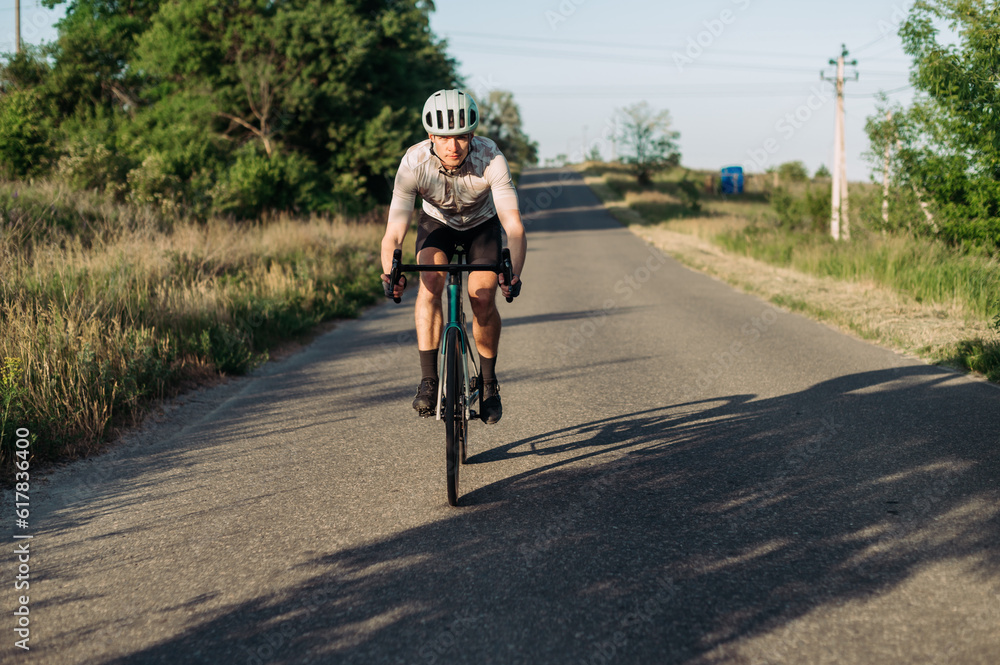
{"x": 729, "y": 71}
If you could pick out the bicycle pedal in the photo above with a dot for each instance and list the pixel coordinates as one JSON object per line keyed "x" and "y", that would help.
{"x": 472, "y": 414}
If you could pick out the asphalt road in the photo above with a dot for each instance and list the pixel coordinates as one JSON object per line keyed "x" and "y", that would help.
{"x": 683, "y": 474}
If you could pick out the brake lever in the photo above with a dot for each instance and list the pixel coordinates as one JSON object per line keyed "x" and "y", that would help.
{"x": 508, "y": 276}
{"x": 397, "y": 260}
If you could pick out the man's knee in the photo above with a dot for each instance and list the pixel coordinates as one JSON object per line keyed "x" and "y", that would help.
{"x": 432, "y": 284}
{"x": 483, "y": 301}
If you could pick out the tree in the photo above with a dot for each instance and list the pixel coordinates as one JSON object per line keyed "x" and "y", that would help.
{"x": 822, "y": 172}
{"x": 501, "y": 121}
{"x": 793, "y": 172}
{"x": 318, "y": 100}
{"x": 648, "y": 143}
{"x": 340, "y": 84}
{"x": 23, "y": 139}
{"x": 946, "y": 147}
{"x": 96, "y": 44}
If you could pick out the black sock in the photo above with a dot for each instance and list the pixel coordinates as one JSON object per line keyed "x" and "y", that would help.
{"x": 489, "y": 368}
{"x": 428, "y": 364}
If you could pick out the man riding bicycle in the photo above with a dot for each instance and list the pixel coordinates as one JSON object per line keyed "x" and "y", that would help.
{"x": 467, "y": 193}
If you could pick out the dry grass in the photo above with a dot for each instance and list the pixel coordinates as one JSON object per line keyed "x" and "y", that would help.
{"x": 115, "y": 306}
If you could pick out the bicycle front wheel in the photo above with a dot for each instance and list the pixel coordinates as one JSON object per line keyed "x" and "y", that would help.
{"x": 454, "y": 411}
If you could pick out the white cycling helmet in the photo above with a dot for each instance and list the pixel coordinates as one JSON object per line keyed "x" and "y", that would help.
{"x": 450, "y": 113}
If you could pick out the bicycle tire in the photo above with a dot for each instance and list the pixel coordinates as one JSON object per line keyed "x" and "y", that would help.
{"x": 454, "y": 413}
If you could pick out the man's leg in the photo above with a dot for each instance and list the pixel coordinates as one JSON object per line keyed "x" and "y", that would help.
{"x": 427, "y": 313}
{"x": 486, "y": 323}
{"x": 486, "y": 328}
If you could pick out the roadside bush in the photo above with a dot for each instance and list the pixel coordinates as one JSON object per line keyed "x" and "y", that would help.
{"x": 91, "y": 158}
{"x": 255, "y": 183}
{"x": 809, "y": 212}
{"x": 24, "y": 140}
{"x": 690, "y": 194}
{"x": 793, "y": 172}
{"x": 153, "y": 184}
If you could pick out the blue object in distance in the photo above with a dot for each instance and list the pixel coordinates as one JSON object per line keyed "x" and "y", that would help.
{"x": 732, "y": 180}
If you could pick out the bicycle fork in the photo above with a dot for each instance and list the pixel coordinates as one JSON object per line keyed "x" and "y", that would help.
{"x": 456, "y": 320}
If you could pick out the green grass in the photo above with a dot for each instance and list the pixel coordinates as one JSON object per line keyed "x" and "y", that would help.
{"x": 106, "y": 307}
{"x": 928, "y": 271}
{"x": 978, "y": 356}
{"x": 897, "y": 255}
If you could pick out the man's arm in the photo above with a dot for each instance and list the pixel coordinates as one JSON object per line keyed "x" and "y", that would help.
{"x": 395, "y": 232}
{"x": 400, "y": 209}
{"x": 505, "y": 199}
{"x": 517, "y": 243}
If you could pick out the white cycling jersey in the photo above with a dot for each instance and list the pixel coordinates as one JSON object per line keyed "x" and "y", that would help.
{"x": 461, "y": 197}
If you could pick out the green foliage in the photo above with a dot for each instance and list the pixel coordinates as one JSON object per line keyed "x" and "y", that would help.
{"x": 501, "y": 121}
{"x": 690, "y": 193}
{"x": 94, "y": 55}
{"x": 24, "y": 141}
{"x": 978, "y": 355}
{"x": 929, "y": 271}
{"x": 648, "y": 143}
{"x": 947, "y": 145}
{"x": 807, "y": 212}
{"x": 822, "y": 172}
{"x": 24, "y": 70}
{"x": 152, "y": 183}
{"x": 190, "y": 104}
{"x": 91, "y": 158}
{"x": 793, "y": 172}
{"x": 11, "y": 409}
{"x": 256, "y": 182}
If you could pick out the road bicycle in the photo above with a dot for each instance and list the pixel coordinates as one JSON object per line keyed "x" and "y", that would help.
{"x": 458, "y": 389}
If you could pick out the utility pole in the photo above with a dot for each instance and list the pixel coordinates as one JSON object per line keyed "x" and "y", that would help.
{"x": 885, "y": 173}
{"x": 17, "y": 26}
{"x": 840, "y": 227}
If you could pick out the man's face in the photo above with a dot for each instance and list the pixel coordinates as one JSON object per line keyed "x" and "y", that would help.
{"x": 451, "y": 150}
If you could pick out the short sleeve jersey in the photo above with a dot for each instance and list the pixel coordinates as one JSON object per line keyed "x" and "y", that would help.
{"x": 462, "y": 197}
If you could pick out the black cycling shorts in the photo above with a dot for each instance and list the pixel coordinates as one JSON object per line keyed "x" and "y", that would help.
{"x": 482, "y": 242}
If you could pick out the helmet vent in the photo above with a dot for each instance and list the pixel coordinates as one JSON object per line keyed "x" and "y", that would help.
{"x": 451, "y": 119}
{"x": 461, "y": 118}
{"x": 440, "y": 123}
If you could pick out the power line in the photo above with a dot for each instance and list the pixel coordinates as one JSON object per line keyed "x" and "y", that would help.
{"x": 632, "y": 46}
{"x": 577, "y": 55}
{"x": 880, "y": 92}
{"x": 871, "y": 43}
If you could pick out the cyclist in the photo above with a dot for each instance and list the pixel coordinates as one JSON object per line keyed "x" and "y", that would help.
{"x": 467, "y": 193}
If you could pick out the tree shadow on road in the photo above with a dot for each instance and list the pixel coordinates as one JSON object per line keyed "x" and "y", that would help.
{"x": 663, "y": 535}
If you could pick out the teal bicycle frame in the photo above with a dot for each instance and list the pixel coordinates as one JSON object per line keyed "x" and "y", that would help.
{"x": 456, "y": 320}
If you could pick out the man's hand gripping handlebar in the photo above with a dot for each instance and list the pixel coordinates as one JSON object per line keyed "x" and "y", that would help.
{"x": 507, "y": 273}
{"x": 390, "y": 282}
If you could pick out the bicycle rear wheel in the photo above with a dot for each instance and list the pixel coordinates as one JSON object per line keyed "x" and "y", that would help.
{"x": 455, "y": 422}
